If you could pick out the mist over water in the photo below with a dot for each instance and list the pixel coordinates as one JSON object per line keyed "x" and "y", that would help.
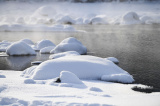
{"x": 136, "y": 47}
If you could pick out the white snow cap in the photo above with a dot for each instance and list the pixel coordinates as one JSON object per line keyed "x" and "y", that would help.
{"x": 44, "y": 43}
{"x": 70, "y": 44}
{"x": 130, "y": 18}
{"x": 66, "y": 20}
{"x": 85, "y": 67}
{"x": 46, "y": 49}
{"x": 20, "y": 48}
{"x": 68, "y": 53}
{"x": 69, "y": 77}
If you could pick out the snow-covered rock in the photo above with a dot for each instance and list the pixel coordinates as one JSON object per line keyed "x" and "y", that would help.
{"x": 69, "y": 77}
{"x": 44, "y": 43}
{"x": 146, "y": 19}
{"x": 47, "y": 49}
{"x": 125, "y": 78}
{"x": 84, "y": 67}
{"x": 4, "y": 45}
{"x": 70, "y": 44}
{"x": 66, "y": 20}
{"x": 28, "y": 72}
{"x": 27, "y": 41}
{"x": 20, "y": 48}
{"x": 113, "y": 59}
{"x": 20, "y": 20}
{"x": 99, "y": 20}
{"x": 68, "y": 53}
{"x": 130, "y": 18}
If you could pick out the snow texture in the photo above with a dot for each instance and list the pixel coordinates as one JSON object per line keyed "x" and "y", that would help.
{"x": 95, "y": 89}
{"x": 29, "y": 81}
{"x": 68, "y": 77}
{"x": 20, "y": 48}
{"x": 125, "y": 78}
{"x": 68, "y": 53}
{"x": 4, "y": 45}
{"x": 70, "y": 44}
{"x": 44, "y": 43}
{"x": 46, "y": 49}
{"x": 85, "y": 67}
{"x": 28, "y": 72}
{"x": 113, "y": 59}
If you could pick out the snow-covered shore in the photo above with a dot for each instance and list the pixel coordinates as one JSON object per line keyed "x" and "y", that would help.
{"x": 14, "y": 91}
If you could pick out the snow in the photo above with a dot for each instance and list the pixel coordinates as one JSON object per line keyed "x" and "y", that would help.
{"x": 16, "y": 92}
{"x": 113, "y": 59}
{"x": 70, "y": 44}
{"x": 20, "y": 48}
{"x": 29, "y": 81}
{"x": 68, "y": 53}
{"x": 68, "y": 77}
{"x": 46, "y": 49}
{"x": 44, "y": 43}
{"x": 85, "y": 67}
{"x": 66, "y": 20}
{"x": 2, "y": 76}
{"x": 19, "y": 27}
{"x": 27, "y": 41}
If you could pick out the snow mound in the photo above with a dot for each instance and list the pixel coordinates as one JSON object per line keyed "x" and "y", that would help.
{"x": 27, "y": 41}
{"x": 84, "y": 67}
{"x": 2, "y": 87}
{"x": 118, "y": 78}
{"x": 70, "y": 44}
{"x": 68, "y": 77}
{"x": 66, "y": 20}
{"x": 20, "y": 20}
{"x": 29, "y": 81}
{"x": 113, "y": 59}
{"x": 146, "y": 19}
{"x": 20, "y": 48}
{"x": 58, "y": 55}
{"x": 95, "y": 89}
{"x": 44, "y": 43}
{"x": 130, "y": 18}
{"x": 45, "y": 11}
{"x": 99, "y": 20}
{"x": 2, "y": 76}
{"x": 47, "y": 49}
{"x": 27, "y": 27}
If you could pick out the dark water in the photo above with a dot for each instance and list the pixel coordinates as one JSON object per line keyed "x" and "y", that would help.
{"x": 136, "y": 46}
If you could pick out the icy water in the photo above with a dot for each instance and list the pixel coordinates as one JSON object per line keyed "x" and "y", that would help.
{"x": 136, "y": 46}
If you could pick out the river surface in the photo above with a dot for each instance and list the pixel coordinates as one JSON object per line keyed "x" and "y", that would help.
{"x": 137, "y": 47}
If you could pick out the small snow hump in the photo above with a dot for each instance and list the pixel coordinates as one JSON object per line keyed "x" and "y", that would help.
{"x": 95, "y": 89}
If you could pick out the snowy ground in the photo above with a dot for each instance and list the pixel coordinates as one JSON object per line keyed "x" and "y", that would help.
{"x": 13, "y": 91}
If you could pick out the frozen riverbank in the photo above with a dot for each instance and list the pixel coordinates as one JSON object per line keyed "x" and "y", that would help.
{"x": 13, "y": 91}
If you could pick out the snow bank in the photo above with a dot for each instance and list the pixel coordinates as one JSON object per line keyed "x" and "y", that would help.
{"x": 68, "y": 77}
{"x": 68, "y": 53}
{"x": 70, "y": 44}
{"x": 27, "y": 27}
{"x": 85, "y": 67}
{"x": 46, "y": 49}
{"x": 130, "y": 18}
{"x": 20, "y": 48}
{"x": 44, "y": 43}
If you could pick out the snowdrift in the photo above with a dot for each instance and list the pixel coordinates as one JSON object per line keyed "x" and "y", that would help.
{"x": 44, "y": 43}
{"x": 84, "y": 67}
